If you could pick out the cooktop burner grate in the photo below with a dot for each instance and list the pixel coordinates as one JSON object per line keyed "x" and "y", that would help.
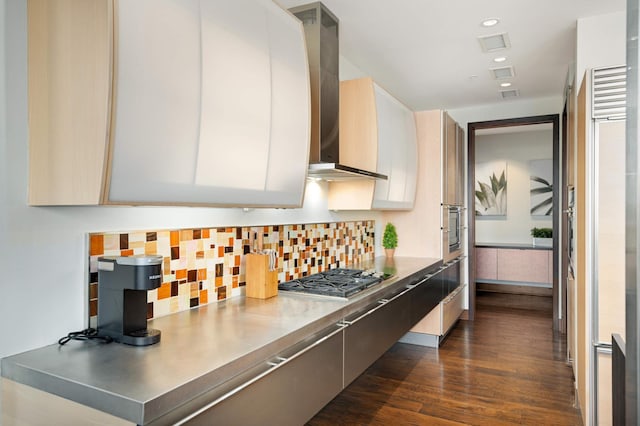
{"x": 339, "y": 282}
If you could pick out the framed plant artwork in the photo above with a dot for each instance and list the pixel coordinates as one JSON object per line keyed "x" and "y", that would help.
{"x": 541, "y": 187}
{"x": 491, "y": 188}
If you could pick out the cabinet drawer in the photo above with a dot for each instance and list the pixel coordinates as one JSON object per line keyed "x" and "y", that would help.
{"x": 452, "y": 308}
{"x": 371, "y": 334}
{"x": 426, "y": 296}
{"x": 289, "y": 391}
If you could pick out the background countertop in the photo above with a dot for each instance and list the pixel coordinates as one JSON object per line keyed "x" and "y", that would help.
{"x": 513, "y": 246}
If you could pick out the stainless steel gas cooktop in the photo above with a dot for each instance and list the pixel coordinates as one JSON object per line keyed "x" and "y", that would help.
{"x": 339, "y": 282}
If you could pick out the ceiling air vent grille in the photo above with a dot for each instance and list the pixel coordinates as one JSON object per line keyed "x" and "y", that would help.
{"x": 508, "y": 94}
{"x": 492, "y": 43}
{"x": 502, "y": 72}
{"x": 609, "y": 92}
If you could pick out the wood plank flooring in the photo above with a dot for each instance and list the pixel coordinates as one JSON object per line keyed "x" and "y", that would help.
{"x": 507, "y": 367}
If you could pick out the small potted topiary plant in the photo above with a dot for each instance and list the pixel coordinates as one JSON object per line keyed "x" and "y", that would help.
{"x": 389, "y": 239}
{"x": 542, "y": 237}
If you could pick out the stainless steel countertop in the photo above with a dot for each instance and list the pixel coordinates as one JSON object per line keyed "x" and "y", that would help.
{"x": 199, "y": 350}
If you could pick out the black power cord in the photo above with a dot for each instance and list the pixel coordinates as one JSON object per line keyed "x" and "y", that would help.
{"x": 86, "y": 334}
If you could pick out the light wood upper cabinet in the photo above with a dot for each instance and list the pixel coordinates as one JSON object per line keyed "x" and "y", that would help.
{"x": 453, "y": 173}
{"x": 69, "y": 56}
{"x": 167, "y": 102}
{"x": 378, "y": 133}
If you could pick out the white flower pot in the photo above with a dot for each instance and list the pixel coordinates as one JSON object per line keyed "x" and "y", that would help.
{"x": 543, "y": 242}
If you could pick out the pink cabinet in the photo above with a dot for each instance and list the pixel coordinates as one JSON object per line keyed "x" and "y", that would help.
{"x": 486, "y": 263}
{"x": 514, "y": 265}
{"x": 523, "y": 265}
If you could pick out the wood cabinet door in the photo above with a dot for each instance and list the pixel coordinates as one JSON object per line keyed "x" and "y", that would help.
{"x": 486, "y": 263}
{"x": 69, "y": 77}
{"x": 450, "y": 160}
{"x": 523, "y": 265}
{"x": 460, "y": 165}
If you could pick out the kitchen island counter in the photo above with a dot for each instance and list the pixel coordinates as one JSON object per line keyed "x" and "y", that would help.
{"x": 200, "y": 349}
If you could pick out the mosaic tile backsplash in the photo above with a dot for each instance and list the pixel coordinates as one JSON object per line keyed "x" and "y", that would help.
{"x": 206, "y": 265}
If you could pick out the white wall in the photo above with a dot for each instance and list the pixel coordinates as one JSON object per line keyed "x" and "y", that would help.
{"x": 517, "y": 149}
{"x": 43, "y": 250}
{"x": 601, "y": 41}
{"x": 508, "y": 109}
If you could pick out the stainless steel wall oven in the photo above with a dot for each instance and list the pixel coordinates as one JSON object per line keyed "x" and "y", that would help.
{"x": 454, "y": 228}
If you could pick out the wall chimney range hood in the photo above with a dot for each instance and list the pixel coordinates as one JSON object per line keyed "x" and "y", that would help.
{"x": 321, "y": 33}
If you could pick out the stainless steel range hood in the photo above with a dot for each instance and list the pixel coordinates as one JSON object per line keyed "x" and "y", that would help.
{"x": 321, "y": 32}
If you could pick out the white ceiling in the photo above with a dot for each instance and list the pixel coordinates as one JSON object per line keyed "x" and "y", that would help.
{"x": 425, "y": 51}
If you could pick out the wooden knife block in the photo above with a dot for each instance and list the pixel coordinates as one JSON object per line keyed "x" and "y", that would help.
{"x": 261, "y": 283}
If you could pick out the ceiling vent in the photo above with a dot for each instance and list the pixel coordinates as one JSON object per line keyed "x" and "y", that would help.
{"x": 507, "y": 94}
{"x": 502, "y": 72}
{"x": 492, "y": 43}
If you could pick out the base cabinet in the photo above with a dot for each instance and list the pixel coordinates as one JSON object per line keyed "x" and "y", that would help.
{"x": 514, "y": 265}
{"x": 372, "y": 332}
{"x": 289, "y": 393}
{"x": 439, "y": 316}
{"x": 426, "y": 297}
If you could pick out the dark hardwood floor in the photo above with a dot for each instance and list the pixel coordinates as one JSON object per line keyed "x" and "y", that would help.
{"x": 505, "y": 368}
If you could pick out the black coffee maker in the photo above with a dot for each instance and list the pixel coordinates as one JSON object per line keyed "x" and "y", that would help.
{"x": 123, "y": 283}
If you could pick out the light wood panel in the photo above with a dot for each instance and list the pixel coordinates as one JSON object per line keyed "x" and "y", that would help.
{"x": 358, "y": 124}
{"x": 571, "y": 320}
{"x": 460, "y": 168}
{"x": 69, "y": 77}
{"x": 583, "y": 341}
{"x": 358, "y": 144}
{"x": 431, "y": 323}
{"x": 377, "y": 133}
{"x": 24, "y": 405}
{"x": 452, "y": 307}
{"x": 611, "y": 230}
{"x": 451, "y": 160}
{"x": 571, "y": 140}
{"x": 605, "y": 389}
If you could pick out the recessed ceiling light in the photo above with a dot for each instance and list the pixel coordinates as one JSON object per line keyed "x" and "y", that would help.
{"x": 490, "y": 22}
{"x": 499, "y": 59}
{"x": 505, "y": 84}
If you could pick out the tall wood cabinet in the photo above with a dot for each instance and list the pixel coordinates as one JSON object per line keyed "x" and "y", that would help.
{"x": 453, "y": 159}
{"x": 172, "y": 102}
{"x": 378, "y": 133}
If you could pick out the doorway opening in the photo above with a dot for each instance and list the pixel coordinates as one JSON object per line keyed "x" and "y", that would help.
{"x": 513, "y": 187}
